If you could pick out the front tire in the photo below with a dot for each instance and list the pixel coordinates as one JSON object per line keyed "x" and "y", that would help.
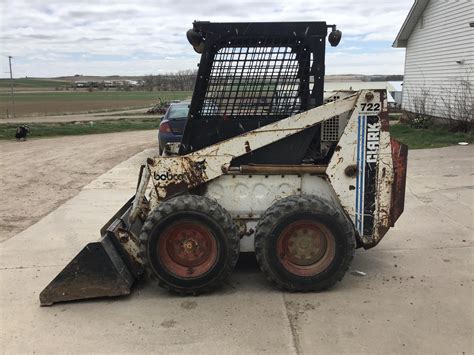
{"x": 189, "y": 244}
{"x": 304, "y": 243}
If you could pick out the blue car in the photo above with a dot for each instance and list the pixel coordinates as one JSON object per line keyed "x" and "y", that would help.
{"x": 172, "y": 124}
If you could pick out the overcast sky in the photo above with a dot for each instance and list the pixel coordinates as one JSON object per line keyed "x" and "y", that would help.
{"x": 60, "y": 37}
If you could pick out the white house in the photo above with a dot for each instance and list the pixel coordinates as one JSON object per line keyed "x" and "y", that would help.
{"x": 439, "y": 62}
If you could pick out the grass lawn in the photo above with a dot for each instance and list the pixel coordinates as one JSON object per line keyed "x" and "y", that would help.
{"x": 50, "y": 103}
{"x": 436, "y": 137}
{"x": 41, "y": 130}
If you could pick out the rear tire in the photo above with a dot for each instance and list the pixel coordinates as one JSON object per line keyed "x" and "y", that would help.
{"x": 304, "y": 243}
{"x": 189, "y": 244}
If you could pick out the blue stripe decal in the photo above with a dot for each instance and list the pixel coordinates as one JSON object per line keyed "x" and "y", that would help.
{"x": 357, "y": 176}
{"x": 362, "y": 177}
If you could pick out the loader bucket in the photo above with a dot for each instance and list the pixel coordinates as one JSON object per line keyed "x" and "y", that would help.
{"x": 97, "y": 271}
{"x": 101, "y": 269}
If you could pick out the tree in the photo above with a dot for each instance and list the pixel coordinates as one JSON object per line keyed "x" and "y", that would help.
{"x": 148, "y": 82}
{"x": 419, "y": 110}
{"x": 457, "y": 102}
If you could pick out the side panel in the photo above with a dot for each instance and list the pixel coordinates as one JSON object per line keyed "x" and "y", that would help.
{"x": 246, "y": 197}
{"x": 361, "y": 169}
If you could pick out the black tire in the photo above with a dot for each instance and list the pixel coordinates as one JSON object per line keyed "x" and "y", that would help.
{"x": 321, "y": 253}
{"x": 189, "y": 244}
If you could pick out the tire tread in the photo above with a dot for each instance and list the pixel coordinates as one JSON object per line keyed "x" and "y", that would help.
{"x": 203, "y": 205}
{"x": 305, "y": 202}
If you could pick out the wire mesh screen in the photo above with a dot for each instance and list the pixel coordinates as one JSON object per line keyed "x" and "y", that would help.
{"x": 330, "y": 131}
{"x": 253, "y": 79}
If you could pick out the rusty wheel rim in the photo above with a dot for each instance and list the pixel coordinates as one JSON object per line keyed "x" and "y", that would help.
{"x": 306, "y": 248}
{"x": 187, "y": 249}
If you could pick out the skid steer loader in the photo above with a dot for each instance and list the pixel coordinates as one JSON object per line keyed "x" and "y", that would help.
{"x": 265, "y": 165}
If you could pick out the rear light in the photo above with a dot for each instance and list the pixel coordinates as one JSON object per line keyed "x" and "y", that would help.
{"x": 165, "y": 128}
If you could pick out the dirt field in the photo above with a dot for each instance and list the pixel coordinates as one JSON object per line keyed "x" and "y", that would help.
{"x": 79, "y": 117}
{"x": 36, "y": 176}
{"x": 50, "y": 103}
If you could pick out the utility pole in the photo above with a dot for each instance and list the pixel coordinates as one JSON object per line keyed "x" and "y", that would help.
{"x": 11, "y": 84}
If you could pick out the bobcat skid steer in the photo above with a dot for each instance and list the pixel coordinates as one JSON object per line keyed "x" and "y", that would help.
{"x": 265, "y": 165}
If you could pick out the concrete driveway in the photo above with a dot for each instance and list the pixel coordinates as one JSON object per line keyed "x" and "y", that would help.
{"x": 416, "y": 296}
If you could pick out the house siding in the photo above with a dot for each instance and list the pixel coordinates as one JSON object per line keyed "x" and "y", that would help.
{"x": 432, "y": 50}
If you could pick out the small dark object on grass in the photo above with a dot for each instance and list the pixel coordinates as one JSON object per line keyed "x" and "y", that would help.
{"x": 21, "y": 132}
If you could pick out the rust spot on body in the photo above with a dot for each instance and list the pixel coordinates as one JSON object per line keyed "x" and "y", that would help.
{"x": 400, "y": 157}
{"x": 175, "y": 188}
{"x": 185, "y": 173}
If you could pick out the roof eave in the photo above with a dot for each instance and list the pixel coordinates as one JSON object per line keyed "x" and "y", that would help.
{"x": 409, "y": 24}
{"x": 400, "y": 43}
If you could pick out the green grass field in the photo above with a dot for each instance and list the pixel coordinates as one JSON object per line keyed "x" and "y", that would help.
{"x": 42, "y": 130}
{"x": 24, "y": 83}
{"x": 435, "y": 137}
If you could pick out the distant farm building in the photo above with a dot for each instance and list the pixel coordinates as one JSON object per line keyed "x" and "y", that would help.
{"x": 81, "y": 84}
{"x": 439, "y": 65}
{"x": 106, "y": 83}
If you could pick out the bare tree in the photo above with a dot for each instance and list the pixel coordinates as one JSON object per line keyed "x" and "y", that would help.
{"x": 149, "y": 82}
{"x": 420, "y": 106}
{"x": 181, "y": 80}
{"x": 457, "y": 102}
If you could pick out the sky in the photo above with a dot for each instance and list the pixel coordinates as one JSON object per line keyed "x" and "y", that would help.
{"x": 52, "y": 38}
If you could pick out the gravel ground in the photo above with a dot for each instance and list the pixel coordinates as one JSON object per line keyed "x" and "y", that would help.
{"x": 38, "y": 175}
